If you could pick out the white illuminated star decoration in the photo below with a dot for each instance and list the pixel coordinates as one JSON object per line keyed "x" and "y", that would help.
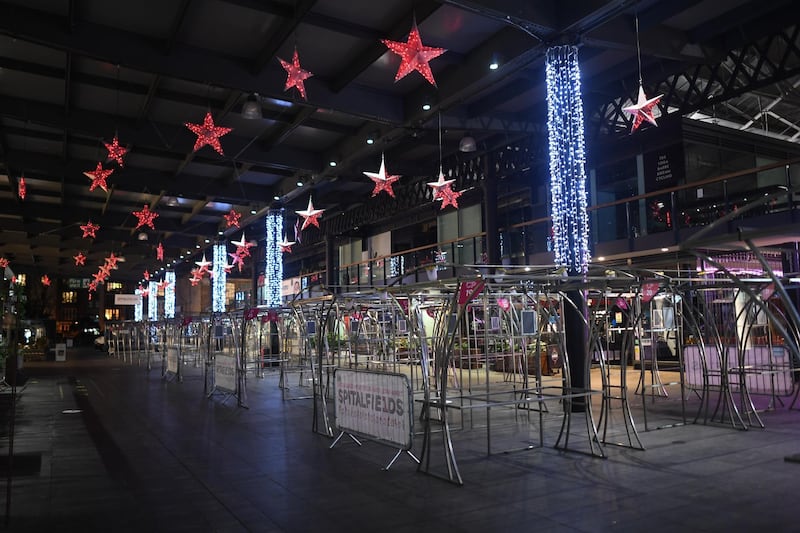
{"x": 285, "y": 246}
{"x": 383, "y": 181}
{"x": 642, "y": 109}
{"x": 310, "y": 215}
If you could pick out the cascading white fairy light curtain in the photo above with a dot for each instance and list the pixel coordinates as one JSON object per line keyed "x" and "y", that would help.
{"x": 567, "y": 159}
{"x": 273, "y": 270}
{"x": 169, "y": 294}
{"x": 220, "y": 278}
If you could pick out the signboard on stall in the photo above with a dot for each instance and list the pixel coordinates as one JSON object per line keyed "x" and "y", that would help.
{"x": 225, "y": 372}
{"x": 127, "y": 299}
{"x": 375, "y": 405}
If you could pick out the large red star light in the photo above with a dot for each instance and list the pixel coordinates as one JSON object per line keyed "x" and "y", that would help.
{"x": 22, "y": 189}
{"x": 310, "y": 215}
{"x": 99, "y": 177}
{"x": 90, "y": 230}
{"x": 232, "y": 218}
{"x": 414, "y": 55}
{"x": 208, "y": 133}
{"x": 145, "y": 217}
{"x": 115, "y": 151}
{"x": 295, "y": 76}
{"x": 642, "y": 109}
{"x": 449, "y": 197}
{"x": 383, "y": 181}
{"x": 80, "y": 259}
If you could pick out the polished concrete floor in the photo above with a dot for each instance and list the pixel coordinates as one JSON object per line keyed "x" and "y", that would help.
{"x": 103, "y": 445}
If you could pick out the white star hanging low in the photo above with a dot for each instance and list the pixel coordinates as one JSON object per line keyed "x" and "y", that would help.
{"x": 383, "y": 181}
{"x": 203, "y": 265}
{"x": 285, "y": 246}
{"x": 642, "y": 109}
{"x": 310, "y": 215}
{"x": 439, "y": 186}
{"x": 243, "y": 247}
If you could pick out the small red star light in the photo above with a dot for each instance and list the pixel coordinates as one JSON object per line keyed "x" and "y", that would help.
{"x": 295, "y": 76}
{"x": 45, "y": 281}
{"x": 99, "y": 177}
{"x": 92, "y": 287}
{"x": 159, "y": 252}
{"x": 115, "y": 151}
{"x": 145, "y": 217}
{"x": 80, "y": 259}
{"x": 22, "y": 189}
{"x": 232, "y": 218}
{"x": 310, "y": 215}
{"x": 208, "y": 133}
{"x": 414, "y": 55}
{"x": 642, "y": 109}
{"x": 90, "y": 230}
{"x": 383, "y": 181}
{"x": 111, "y": 261}
{"x": 3, "y": 262}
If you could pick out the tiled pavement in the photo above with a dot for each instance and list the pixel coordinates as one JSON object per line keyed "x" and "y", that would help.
{"x": 102, "y": 445}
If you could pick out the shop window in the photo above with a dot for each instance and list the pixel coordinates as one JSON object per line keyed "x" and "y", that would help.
{"x": 69, "y": 297}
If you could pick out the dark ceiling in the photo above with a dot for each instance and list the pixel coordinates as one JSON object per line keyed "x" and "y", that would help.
{"x": 74, "y": 73}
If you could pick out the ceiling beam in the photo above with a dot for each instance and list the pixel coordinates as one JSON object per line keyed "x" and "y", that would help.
{"x": 282, "y": 30}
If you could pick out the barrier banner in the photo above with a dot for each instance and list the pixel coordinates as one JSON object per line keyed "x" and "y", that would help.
{"x": 225, "y": 372}
{"x": 374, "y": 405}
{"x": 172, "y": 360}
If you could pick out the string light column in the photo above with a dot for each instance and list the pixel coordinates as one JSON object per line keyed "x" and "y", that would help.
{"x": 220, "y": 278}
{"x": 138, "y": 309}
{"x": 568, "y": 201}
{"x": 152, "y": 301}
{"x": 273, "y": 273}
{"x": 169, "y": 294}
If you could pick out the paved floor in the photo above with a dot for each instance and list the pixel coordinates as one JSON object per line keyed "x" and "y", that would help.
{"x": 102, "y": 445}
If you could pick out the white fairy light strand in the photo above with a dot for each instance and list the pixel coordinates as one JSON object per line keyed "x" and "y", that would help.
{"x": 220, "y": 277}
{"x": 273, "y": 270}
{"x": 169, "y": 294}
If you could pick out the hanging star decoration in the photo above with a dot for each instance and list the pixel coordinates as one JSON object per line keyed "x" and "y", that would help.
{"x": 443, "y": 190}
{"x": 243, "y": 247}
{"x": 80, "y": 259}
{"x": 227, "y": 267}
{"x": 144, "y": 292}
{"x": 285, "y": 246}
{"x": 145, "y": 217}
{"x": 22, "y": 189}
{"x": 238, "y": 260}
{"x": 99, "y": 177}
{"x": 310, "y": 215}
{"x": 3, "y": 262}
{"x": 159, "y": 252}
{"x": 111, "y": 261}
{"x": 116, "y": 151}
{"x": 202, "y": 266}
{"x": 643, "y": 109}
{"x": 208, "y": 133}
{"x": 383, "y": 181}
{"x": 232, "y": 218}
{"x": 414, "y": 55}
{"x": 92, "y": 287}
{"x": 90, "y": 230}
{"x": 45, "y": 281}
{"x": 196, "y": 277}
{"x": 163, "y": 284}
{"x": 295, "y": 76}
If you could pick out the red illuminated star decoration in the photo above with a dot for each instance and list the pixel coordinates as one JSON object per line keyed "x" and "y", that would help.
{"x": 159, "y": 252}
{"x": 92, "y": 287}
{"x": 227, "y": 267}
{"x": 90, "y": 230}
{"x": 146, "y": 275}
{"x": 232, "y": 218}
{"x": 310, "y": 215}
{"x": 99, "y": 277}
{"x": 99, "y": 177}
{"x": 196, "y": 277}
{"x": 104, "y": 271}
{"x": 80, "y": 259}
{"x": 238, "y": 260}
{"x": 145, "y": 217}
{"x": 3, "y": 262}
{"x": 295, "y": 76}
{"x": 111, "y": 260}
{"x": 22, "y": 189}
{"x": 13, "y": 279}
{"x": 285, "y": 246}
{"x": 383, "y": 181}
{"x": 243, "y": 247}
{"x": 449, "y": 197}
{"x": 642, "y": 109}
{"x": 116, "y": 151}
{"x": 144, "y": 292}
{"x": 414, "y": 55}
{"x": 163, "y": 284}
{"x": 45, "y": 281}
{"x": 208, "y": 133}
